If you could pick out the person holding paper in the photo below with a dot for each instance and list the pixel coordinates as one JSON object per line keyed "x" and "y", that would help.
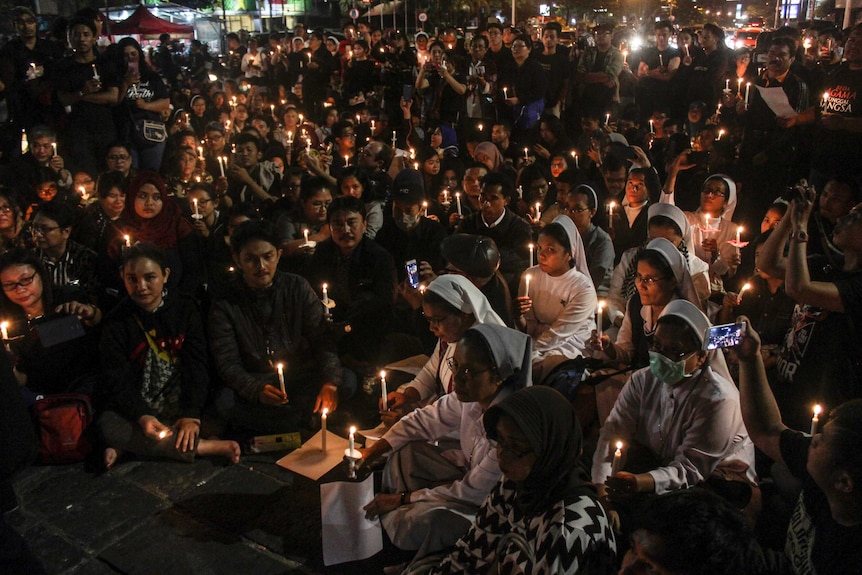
{"x": 431, "y": 495}
{"x": 543, "y": 516}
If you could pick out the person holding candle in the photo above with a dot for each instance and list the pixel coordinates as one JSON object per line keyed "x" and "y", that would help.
{"x": 557, "y": 312}
{"x": 40, "y": 163}
{"x": 687, "y": 395}
{"x": 354, "y": 182}
{"x": 184, "y": 170}
{"x": 542, "y": 516}
{"x": 823, "y": 534}
{"x": 581, "y": 204}
{"x": 154, "y": 357}
{"x": 451, "y": 305}
{"x": 310, "y": 214}
{"x": 524, "y": 83}
{"x": 266, "y": 318}
{"x": 703, "y": 74}
{"x": 466, "y": 201}
{"x": 251, "y": 180}
{"x": 440, "y": 89}
{"x": 628, "y": 226}
{"x": 655, "y": 68}
{"x": 490, "y": 363}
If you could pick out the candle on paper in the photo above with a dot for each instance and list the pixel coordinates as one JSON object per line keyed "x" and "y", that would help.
{"x": 323, "y": 429}
{"x": 745, "y": 287}
{"x": 527, "y": 279}
{"x": 815, "y": 419}
{"x": 617, "y": 464}
{"x": 383, "y": 393}
{"x": 458, "y": 202}
{"x": 425, "y": 209}
{"x": 532, "y": 248}
{"x": 600, "y": 308}
{"x": 280, "y": 369}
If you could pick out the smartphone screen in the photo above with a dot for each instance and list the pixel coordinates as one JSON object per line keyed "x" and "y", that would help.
{"x": 412, "y": 273}
{"x": 727, "y": 335}
{"x": 407, "y": 92}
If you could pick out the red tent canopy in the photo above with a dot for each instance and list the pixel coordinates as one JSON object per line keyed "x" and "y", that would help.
{"x": 149, "y": 27}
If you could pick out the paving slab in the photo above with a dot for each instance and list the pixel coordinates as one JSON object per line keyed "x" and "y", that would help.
{"x": 56, "y": 553}
{"x": 169, "y": 479}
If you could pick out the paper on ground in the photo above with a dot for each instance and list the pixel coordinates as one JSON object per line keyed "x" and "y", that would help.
{"x": 347, "y": 534}
{"x": 310, "y": 461}
{"x": 411, "y": 365}
{"x": 777, "y": 101}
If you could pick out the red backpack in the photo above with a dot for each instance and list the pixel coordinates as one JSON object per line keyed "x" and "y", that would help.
{"x": 62, "y": 421}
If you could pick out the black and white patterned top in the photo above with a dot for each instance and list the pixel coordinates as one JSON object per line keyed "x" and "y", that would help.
{"x": 573, "y": 536}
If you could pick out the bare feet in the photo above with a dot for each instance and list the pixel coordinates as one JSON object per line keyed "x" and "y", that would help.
{"x": 111, "y": 456}
{"x": 224, "y": 448}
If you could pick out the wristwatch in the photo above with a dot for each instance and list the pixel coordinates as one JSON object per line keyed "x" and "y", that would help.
{"x": 799, "y": 236}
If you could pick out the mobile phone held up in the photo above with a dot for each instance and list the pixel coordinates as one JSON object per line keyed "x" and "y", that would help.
{"x": 412, "y": 273}
{"x": 726, "y": 335}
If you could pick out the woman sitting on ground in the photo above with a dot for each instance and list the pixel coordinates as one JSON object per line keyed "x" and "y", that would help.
{"x": 154, "y": 357}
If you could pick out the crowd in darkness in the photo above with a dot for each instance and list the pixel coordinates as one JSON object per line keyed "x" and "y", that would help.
{"x": 213, "y": 247}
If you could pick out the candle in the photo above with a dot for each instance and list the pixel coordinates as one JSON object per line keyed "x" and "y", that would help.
{"x": 458, "y": 202}
{"x": 577, "y": 161}
{"x": 481, "y": 127}
{"x": 280, "y": 369}
{"x": 611, "y": 207}
{"x": 505, "y": 92}
{"x": 825, "y": 99}
{"x": 445, "y": 196}
{"x": 289, "y": 138}
{"x": 54, "y": 146}
{"x": 128, "y": 241}
{"x": 660, "y": 61}
{"x": 372, "y": 126}
{"x": 816, "y": 419}
{"x": 520, "y": 192}
{"x": 720, "y": 134}
{"x": 607, "y": 119}
{"x": 651, "y": 127}
{"x": 200, "y": 153}
{"x": 195, "y": 202}
{"x": 527, "y": 279}
{"x": 739, "y": 86}
{"x": 618, "y": 459}
{"x": 323, "y": 429}
{"x": 425, "y": 207}
{"x": 305, "y": 234}
{"x": 742, "y": 290}
{"x": 747, "y": 90}
{"x": 538, "y": 211}
{"x": 221, "y": 163}
{"x": 83, "y": 192}
{"x": 95, "y": 73}
{"x": 272, "y": 109}
{"x": 163, "y": 434}
{"x": 394, "y": 139}
{"x": 4, "y": 330}
{"x": 532, "y": 247}
{"x": 309, "y": 58}
{"x": 600, "y": 308}
{"x": 301, "y": 120}
{"x": 625, "y": 56}
{"x": 383, "y": 391}
{"x": 727, "y": 84}
{"x": 526, "y": 154}
{"x": 685, "y": 47}
{"x": 738, "y": 235}
{"x": 351, "y": 440}
{"x": 346, "y": 161}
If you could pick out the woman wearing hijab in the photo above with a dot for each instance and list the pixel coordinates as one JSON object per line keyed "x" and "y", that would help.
{"x": 559, "y": 301}
{"x": 679, "y": 419}
{"x": 543, "y": 516}
{"x": 451, "y": 305}
{"x": 430, "y": 496}
{"x": 488, "y": 153}
{"x": 717, "y": 200}
{"x": 665, "y": 221}
{"x": 661, "y": 277}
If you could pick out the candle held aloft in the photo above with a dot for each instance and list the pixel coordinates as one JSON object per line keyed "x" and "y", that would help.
{"x": 745, "y": 287}
{"x": 527, "y": 279}
{"x": 383, "y": 393}
{"x": 617, "y": 464}
{"x": 425, "y": 209}
{"x": 195, "y": 202}
{"x": 458, "y": 202}
{"x": 280, "y": 369}
{"x": 600, "y": 308}
{"x": 815, "y": 419}
{"x": 532, "y": 248}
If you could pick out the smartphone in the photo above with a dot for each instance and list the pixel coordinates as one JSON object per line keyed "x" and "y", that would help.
{"x": 407, "y": 92}
{"x": 412, "y": 273}
{"x": 53, "y": 331}
{"x": 727, "y": 335}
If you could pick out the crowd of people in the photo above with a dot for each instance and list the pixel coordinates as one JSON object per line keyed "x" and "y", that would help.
{"x": 243, "y": 241}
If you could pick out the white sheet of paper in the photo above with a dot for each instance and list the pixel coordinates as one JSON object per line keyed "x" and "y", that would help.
{"x": 777, "y": 101}
{"x": 347, "y": 534}
{"x": 373, "y": 434}
{"x": 310, "y": 461}
{"x": 411, "y": 365}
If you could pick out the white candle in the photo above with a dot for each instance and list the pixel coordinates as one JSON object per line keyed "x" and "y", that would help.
{"x": 816, "y": 419}
{"x": 221, "y": 163}
{"x": 538, "y": 211}
{"x": 747, "y": 90}
{"x": 351, "y": 440}
{"x": 577, "y": 160}
{"x": 600, "y": 308}
{"x": 309, "y": 58}
{"x": 618, "y": 459}
{"x": 481, "y": 127}
{"x": 200, "y": 153}
{"x": 685, "y": 47}
{"x": 625, "y": 56}
{"x": 163, "y": 434}
{"x": 458, "y": 202}
{"x": 532, "y": 247}
{"x": 346, "y": 161}
{"x": 527, "y": 279}
{"x": 825, "y": 98}
{"x": 195, "y": 202}
{"x": 4, "y": 330}
{"x": 727, "y": 84}
{"x": 425, "y": 208}
{"x": 326, "y": 296}
{"x": 323, "y": 430}
{"x": 607, "y": 119}
{"x": 738, "y": 235}
{"x": 651, "y": 127}
{"x": 128, "y": 241}
{"x": 280, "y": 369}
{"x": 54, "y": 146}
{"x": 383, "y": 391}
{"x": 660, "y": 61}
{"x": 526, "y": 154}
{"x": 372, "y": 126}
{"x": 445, "y": 196}
{"x": 611, "y": 207}
{"x": 394, "y": 139}
{"x": 505, "y": 92}
{"x": 305, "y": 234}
{"x": 289, "y": 138}
{"x": 96, "y": 76}
{"x": 739, "y": 86}
{"x": 742, "y": 290}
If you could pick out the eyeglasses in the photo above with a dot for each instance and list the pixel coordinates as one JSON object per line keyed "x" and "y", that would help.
{"x": 568, "y": 210}
{"x": 714, "y": 192}
{"x": 670, "y": 353}
{"x": 42, "y": 230}
{"x": 518, "y": 46}
{"x": 438, "y": 319}
{"x": 647, "y": 281}
{"x": 465, "y": 372}
{"x": 5, "y": 209}
{"x": 119, "y": 157}
{"x": 23, "y": 282}
{"x": 504, "y": 449}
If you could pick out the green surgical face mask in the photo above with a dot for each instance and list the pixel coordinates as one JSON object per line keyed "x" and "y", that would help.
{"x": 666, "y": 370}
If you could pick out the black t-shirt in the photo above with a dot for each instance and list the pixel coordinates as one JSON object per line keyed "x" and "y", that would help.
{"x": 556, "y": 67}
{"x": 70, "y": 76}
{"x": 816, "y": 543}
{"x": 837, "y": 151}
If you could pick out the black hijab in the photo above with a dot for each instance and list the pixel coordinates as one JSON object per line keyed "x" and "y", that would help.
{"x": 548, "y": 422}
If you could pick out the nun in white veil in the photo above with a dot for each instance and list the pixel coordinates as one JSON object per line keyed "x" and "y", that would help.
{"x": 557, "y": 303}
{"x": 451, "y": 305}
